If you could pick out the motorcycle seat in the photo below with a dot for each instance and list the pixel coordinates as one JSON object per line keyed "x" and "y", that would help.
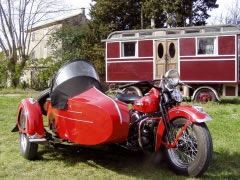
{"x": 127, "y": 98}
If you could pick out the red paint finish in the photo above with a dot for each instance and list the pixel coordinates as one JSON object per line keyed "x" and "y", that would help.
{"x": 34, "y": 120}
{"x": 207, "y": 70}
{"x": 145, "y": 48}
{"x": 226, "y": 45}
{"x": 130, "y": 71}
{"x": 184, "y": 111}
{"x": 149, "y": 103}
{"x": 159, "y": 135}
{"x": 92, "y": 118}
{"x": 132, "y": 59}
{"x": 188, "y": 112}
{"x": 206, "y": 58}
{"x": 113, "y": 50}
{"x": 187, "y": 46}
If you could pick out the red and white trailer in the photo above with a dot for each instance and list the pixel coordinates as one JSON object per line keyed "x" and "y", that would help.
{"x": 207, "y": 58}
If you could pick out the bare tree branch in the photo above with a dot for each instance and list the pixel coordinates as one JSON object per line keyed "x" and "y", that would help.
{"x": 4, "y": 25}
{"x": 17, "y": 19}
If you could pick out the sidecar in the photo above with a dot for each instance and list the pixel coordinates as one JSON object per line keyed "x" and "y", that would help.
{"x": 77, "y": 111}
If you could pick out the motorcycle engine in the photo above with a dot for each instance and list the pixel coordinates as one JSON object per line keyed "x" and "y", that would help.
{"x": 141, "y": 135}
{"x": 135, "y": 115}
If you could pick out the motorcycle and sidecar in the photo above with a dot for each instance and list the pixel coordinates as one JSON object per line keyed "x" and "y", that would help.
{"x": 79, "y": 112}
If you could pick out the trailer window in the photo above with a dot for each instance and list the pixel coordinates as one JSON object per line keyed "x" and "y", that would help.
{"x": 129, "y": 49}
{"x": 206, "y": 46}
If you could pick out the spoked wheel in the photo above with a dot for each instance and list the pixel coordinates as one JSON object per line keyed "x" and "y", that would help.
{"x": 28, "y": 149}
{"x": 205, "y": 95}
{"x": 194, "y": 149}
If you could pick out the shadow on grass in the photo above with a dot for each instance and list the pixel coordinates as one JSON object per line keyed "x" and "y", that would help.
{"x": 224, "y": 165}
{"x": 133, "y": 164}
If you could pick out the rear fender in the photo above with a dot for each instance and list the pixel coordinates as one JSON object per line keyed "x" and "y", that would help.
{"x": 34, "y": 119}
{"x": 194, "y": 114}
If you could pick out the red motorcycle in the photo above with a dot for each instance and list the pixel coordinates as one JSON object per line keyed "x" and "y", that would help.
{"x": 79, "y": 112}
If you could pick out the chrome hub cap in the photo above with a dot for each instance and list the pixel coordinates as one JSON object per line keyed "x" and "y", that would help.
{"x": 23, "y": 142}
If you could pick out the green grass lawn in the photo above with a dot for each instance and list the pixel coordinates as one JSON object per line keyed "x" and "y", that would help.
{"x": 112, "y": 163}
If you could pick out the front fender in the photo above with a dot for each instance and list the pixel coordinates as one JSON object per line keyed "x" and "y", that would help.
{"x": 34, "y": 120}
{"x": 194, "y": 114}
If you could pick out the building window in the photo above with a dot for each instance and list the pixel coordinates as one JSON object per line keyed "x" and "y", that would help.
{"x": 129, "y": 49}
{"x": 160, "y": 50}
{"x": 206, "y": 46}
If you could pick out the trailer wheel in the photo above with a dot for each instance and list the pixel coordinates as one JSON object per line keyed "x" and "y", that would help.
{"x": 205, "y": 95}
{"x": 133, "y": 90}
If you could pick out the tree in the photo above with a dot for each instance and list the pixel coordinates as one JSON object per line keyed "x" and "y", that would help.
{"x": 78, "y": 42}
{"x": 181, "y": 13}
{"x": 232, "y": 15}
{"x": 126, "y": 14}
{"x": 17, "y": 18}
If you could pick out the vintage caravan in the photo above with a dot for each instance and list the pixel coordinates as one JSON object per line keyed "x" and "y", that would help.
{"x": 207, "y": 58}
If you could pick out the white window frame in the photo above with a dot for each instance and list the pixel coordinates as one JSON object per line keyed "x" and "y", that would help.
{"x": 215, "y": 53}
{"x": 122, "y": 49}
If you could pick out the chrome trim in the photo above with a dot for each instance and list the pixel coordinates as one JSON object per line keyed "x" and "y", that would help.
{"x": 31, "y": 100}
{"x": 139, "y": 132}
{"x": 199, "y": 108}
{"x": 40, "y": 140}
{"x": 206, "y": 119}
{"x": 85, "y": 121}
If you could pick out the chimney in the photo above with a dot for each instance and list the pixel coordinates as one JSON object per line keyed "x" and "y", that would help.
{"x": 152, "y": 22}
{"x": 82, "y": 11}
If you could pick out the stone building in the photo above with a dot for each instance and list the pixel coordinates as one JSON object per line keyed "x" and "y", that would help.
{"x": 40, "y": 36}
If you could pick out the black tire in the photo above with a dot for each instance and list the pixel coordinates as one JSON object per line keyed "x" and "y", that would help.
{"x": 195, "y": 145}
{"x": 205, "y": 95}
{"x": 27, "y": 149}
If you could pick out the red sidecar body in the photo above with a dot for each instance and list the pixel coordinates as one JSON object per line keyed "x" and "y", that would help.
{"x": 77, "y": 109}
{"x": 91, "y": 118}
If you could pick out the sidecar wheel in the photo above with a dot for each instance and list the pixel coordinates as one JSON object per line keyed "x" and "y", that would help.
{"x": 27, "y": 149}
{"x": 194, "y": 149}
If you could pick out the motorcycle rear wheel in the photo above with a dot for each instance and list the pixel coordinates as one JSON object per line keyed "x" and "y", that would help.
{"x": 193, "y": 153}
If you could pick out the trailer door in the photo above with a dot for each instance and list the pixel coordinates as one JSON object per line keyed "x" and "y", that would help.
{"x": 166, "y": 56}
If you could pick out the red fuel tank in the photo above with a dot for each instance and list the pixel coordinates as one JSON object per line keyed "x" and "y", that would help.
{"x": 148, "y": 103}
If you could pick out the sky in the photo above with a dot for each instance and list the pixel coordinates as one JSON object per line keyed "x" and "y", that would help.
{"x": 224, "y": 5}
{"x": 79, "y": 4}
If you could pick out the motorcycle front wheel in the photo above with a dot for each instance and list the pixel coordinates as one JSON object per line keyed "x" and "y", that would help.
{"x": 193, "y": 152}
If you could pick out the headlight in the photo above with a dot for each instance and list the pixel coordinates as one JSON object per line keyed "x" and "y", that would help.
{"x": 172, "y": 78}
{"x": 176, "y": 95}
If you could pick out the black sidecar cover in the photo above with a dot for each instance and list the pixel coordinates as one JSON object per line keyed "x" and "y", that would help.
{"x": 72, "y": 79}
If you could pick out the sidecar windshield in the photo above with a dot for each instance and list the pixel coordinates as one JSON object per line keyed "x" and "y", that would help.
{"x": 72, "y": 79}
